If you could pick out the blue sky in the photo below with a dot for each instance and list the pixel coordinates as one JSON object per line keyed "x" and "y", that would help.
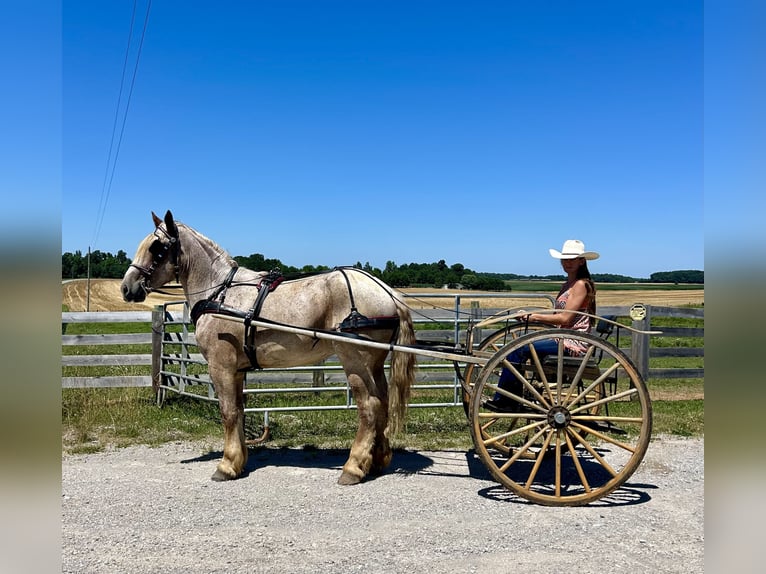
{"x": 328, "y": 133}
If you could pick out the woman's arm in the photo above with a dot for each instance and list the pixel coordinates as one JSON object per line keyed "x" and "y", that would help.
{"x": 578, "y": 293}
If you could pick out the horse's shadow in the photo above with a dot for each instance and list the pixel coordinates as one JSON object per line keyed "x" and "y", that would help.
{"x": 409, "y": 462}
{"x": 403, "y": 461}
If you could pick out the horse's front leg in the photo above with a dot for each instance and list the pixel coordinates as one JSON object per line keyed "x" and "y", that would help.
{"x": 228, "y": 385}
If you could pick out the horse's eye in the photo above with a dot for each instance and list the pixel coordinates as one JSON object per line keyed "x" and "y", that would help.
{"x": 157, "y": 249}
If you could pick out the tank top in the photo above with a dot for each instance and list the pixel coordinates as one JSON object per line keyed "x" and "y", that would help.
{"x": 582, "y": 323}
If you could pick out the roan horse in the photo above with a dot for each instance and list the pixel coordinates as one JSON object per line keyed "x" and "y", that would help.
{"x": 175, "y": 251}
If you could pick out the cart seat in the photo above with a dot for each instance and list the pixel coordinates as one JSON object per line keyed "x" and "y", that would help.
{"x": 604, "y": 330}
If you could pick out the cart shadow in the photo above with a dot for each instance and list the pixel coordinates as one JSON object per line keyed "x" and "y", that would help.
{"x": 628, "y": 494}
{"x": 408, "y": 462}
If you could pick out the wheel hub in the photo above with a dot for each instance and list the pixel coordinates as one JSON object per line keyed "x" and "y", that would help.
{"x": 559, "y": 417}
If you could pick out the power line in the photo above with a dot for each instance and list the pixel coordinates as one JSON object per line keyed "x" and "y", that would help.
{"x": 101, "y": 206}
{"x": 109, "y": 173}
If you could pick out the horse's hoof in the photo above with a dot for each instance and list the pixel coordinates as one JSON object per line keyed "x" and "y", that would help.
{"x": 219, "y": 476}
{"x": 347, "y": 478}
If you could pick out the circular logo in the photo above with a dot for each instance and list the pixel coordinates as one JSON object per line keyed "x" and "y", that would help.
{"x": 638, "y": 312}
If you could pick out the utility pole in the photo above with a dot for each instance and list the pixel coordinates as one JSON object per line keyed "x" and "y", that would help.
{"x": 87, "y": 289}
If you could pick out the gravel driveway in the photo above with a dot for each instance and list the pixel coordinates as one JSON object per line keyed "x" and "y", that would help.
{"x": 147, "y": 510}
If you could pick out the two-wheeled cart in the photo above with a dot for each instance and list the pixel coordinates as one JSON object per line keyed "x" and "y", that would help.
{"x": 580, "y": 425}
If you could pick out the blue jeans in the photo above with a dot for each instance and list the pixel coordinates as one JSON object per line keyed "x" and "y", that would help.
{"x": 508, "y": 381}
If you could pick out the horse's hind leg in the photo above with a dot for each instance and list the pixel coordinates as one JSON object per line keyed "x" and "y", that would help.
{"x": 370, "y": 450}
{"x": 381, "y": 450}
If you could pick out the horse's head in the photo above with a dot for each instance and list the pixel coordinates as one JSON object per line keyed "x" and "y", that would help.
{"x": 156, "y": 260}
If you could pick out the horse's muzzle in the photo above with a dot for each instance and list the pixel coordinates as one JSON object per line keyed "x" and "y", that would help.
{"x": 133, "y": 292}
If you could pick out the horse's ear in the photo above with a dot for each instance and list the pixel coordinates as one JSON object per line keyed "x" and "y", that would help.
{"x": 156, "y": 219}
{"x": 170, "y": 225}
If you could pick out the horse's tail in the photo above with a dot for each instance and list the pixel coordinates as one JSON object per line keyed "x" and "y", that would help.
{"x": 402, "y": 374}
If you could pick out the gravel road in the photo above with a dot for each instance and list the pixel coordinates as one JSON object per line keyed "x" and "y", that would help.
{"x": 146, "y": 510}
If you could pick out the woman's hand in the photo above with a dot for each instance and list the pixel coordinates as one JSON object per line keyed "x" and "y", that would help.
{"x": 532, "y": 317}
{"x": 524, "y": 317}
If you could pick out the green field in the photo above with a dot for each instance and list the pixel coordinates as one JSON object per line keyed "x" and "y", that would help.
{"x": 94, "y": 419}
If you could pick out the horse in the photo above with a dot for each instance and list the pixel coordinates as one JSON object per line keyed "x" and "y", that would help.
{"x": 342, "y": 301}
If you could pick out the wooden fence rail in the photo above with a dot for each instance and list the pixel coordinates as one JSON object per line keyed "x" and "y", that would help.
{"x": 164, "y": 336}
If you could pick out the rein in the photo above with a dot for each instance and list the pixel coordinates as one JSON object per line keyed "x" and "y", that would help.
{"x": 161, "y": 292}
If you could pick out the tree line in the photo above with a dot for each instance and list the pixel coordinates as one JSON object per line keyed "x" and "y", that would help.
{"x": 102, "y": 265}
{"x": 432, "y": 275}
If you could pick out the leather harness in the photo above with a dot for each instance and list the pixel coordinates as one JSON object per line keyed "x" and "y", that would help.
{"x": 354, "y": 323}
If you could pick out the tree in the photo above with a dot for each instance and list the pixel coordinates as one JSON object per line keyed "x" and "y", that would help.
{"x": 469, "y": 280}
{"x": 681, "y": 276}
{"x": 102, "y": 265}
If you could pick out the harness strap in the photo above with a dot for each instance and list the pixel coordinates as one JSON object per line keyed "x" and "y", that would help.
{"x": 350, "y": 292}
{"x": 265, "y": 286}
{"x": 225, "y": 285}
{"x": 209, "y": 305}
{"x": 356, "y": 322}
{"x": 355, "y": 319}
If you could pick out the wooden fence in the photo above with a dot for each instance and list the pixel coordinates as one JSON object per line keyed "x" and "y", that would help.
{"x": 169, "y": 335}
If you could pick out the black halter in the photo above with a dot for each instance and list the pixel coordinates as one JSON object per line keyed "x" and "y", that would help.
{"x": 161, "y": 252}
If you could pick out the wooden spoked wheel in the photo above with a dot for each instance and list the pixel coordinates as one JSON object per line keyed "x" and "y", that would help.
{"x": 487, "y": 348}
{"x": 579, "y": 428}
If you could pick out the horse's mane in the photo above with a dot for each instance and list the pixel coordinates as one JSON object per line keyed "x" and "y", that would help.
{"x": 210, "y": 246}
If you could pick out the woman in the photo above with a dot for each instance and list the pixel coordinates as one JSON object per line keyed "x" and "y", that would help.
{"x": 578, "y": 293}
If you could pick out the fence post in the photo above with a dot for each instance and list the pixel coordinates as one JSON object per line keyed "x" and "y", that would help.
{"x": 475, "y": 316}
{"x": 456, "y": 335}
{"x": 639, "y": 348}
{"x": 158, "y": 324}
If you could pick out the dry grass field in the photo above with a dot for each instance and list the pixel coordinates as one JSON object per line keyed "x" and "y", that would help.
{"x": 105, "y": 296}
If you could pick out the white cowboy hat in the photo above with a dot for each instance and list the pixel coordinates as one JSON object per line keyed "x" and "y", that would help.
{"x": 573, "y": 248}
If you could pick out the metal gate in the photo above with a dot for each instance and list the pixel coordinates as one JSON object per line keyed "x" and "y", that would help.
{"x": 178, "y": 366}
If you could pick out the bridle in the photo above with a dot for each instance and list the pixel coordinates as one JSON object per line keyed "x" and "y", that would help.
{"x": 161, "y": 252}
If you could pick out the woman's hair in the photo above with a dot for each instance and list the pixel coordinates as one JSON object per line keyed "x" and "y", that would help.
{"x": 584, "y": 274}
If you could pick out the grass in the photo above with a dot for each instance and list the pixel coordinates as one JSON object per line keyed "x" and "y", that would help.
{"x": 679, "y": 418}
{"x": 94, "y": 419}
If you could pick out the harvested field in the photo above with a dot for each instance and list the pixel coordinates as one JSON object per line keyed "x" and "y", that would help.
{"x": 669, "y": 298}
{"x": 105, "y": 296}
